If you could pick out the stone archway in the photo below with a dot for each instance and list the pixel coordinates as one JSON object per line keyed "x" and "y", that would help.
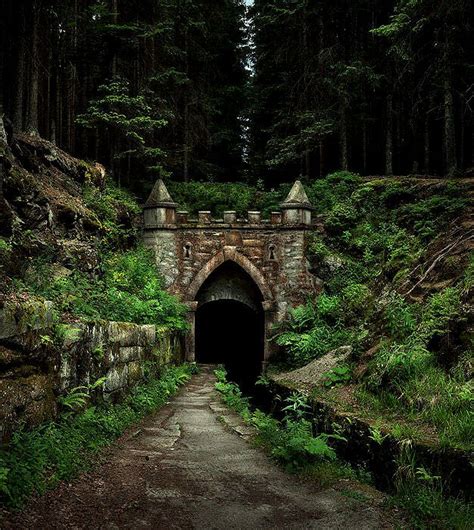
{"x": 273, "y": 252}
{"x": 265, "y": 298}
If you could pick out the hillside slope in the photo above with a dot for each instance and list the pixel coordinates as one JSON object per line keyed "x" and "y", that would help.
{"x": 396, "y": 262}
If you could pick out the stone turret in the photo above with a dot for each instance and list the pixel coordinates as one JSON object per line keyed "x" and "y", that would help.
{"x": 296, "y": 208}
{"x": 159, "y": 209}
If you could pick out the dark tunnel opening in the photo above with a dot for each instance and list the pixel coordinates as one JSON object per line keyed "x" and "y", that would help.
{"x": 229, "y": 332}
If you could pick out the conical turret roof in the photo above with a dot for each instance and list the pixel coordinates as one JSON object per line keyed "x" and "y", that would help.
{"x": 297, "y": 197}
{"x": 160, "y": 196}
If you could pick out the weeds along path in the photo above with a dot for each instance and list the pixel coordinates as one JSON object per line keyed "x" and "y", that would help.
{"x": 185, "y": 468}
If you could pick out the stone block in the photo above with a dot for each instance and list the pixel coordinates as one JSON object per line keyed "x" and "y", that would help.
{"x": 123, "y": 333}
{"x": 253, "y": 243}
{"x": 254, "y": 217}
{"x": 204, "y": 217}
{"x": 135, "y": 372}
{"x": 117, "y": 378}
{"x": 230, "y": 217}
{"x": 148, "y": 334}
{"x": 275, "y": 218}
{"x": 26, "y": 399}
{"x": 18, "y": 318}
{"x": 130, "y": 353}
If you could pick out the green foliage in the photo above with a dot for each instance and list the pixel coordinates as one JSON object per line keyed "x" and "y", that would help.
{"x": 129, "y": 290}
{"x": 219, "y": 197}
{"x": 232, "y": 396}
{"x": 294, "y": 445}
{"x": 430, "y": 508}
{"x": 340, "y": 375}
{"x": 5, "y": 247}
{"x": 296, "y": 406}
{"x": 37, "y": 460}
{"x": 421, "y": 494}
{"x": 356, "y": 297}
{"x": 401, "y": 320}
{"x": 77, "y": 398}
{"x": 115, "y": 209}
{"x": 127, "y": 117}
{"x": 377, "y": 436}
{"x": 377, "y": 233}
{"x": 313, "y": 330}
{"x": 291, "y": 442}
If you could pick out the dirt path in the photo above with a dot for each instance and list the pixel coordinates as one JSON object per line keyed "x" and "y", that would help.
{"x": 185, "y": 468}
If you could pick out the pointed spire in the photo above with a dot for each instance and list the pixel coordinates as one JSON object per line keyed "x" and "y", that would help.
{"x": 160, "y": 197}
{"x": 297, "y": 197}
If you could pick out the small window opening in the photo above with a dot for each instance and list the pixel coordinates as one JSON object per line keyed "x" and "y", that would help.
{"x": 187, "y": 250}
{"x": 271, "y": 253}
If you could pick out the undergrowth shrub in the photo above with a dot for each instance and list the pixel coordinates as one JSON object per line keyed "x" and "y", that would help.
{"x": 115, "y": 209}
{"x": 377, "y": 234}
{"x": 130, "y": 289}
{"x": 291, "y": 442}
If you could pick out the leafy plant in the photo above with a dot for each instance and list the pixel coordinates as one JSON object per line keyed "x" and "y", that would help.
{"x": 130, "y": 290}
{"x": 377, "y": 436}
{"x": 339, "y": 375}
{"x": 296, "y": 406}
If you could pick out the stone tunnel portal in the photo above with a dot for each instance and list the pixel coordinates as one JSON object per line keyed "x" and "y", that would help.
{"x": 230, "y": 323}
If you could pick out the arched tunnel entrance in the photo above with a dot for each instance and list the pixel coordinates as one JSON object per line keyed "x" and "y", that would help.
{"x": 230, "y": 324}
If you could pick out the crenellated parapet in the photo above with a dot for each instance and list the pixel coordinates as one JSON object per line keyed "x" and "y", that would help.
{"x": 160, "y": 211}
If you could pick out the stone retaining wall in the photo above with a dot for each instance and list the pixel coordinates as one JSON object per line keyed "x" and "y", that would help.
{"x": 41, "y": 360}
{"x": 380, "y": 458}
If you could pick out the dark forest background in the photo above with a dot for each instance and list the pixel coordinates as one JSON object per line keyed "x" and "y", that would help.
{"x": 213, "y": 90}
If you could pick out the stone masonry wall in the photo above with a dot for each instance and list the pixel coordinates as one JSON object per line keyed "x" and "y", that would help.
{"x": 40, "y": 361}
{"x": 279, "y": 253}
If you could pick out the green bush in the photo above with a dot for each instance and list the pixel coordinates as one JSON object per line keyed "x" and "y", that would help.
{"x": 400, "y": 317}
{"x": 219, "y": 197}
{"x": 129, "y": 290}
{"x": 356, "y": 298}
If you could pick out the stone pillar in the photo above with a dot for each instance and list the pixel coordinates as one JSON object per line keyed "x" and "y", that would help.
{"x": 204, "y": 217}
{"x": 182, "y": 217}
{"x": 254, "y": 217}
{"x": 230, "y": 217}
{"x": 275, "y": 218}
{"x": 190, "y": 341}
{"x": 160, "y": 209}
{"x": 269, "y": 308}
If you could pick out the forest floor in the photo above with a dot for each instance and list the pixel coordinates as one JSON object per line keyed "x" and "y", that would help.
{"x": 192, "y": 465}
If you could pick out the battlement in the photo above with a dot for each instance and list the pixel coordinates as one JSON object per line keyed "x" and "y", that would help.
{"x": 160, "y": 212}
{"x": 229, "y": 219}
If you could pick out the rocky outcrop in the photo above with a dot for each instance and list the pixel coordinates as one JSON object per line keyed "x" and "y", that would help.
{"x": 313, "y": 373}
{"x": 44, "y": 209}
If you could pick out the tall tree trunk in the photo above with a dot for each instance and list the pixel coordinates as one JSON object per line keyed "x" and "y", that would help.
{"x": 186, "y": 131}
{"x": 114, "y": 22}
{"x": 321, "y": 157}
{"x": 426, "y": 144}
{"x": 186, "y": 141}
{"x": 389, "y": 137}
{"x": 20, "y": 76}
{"x": 32, "y": 119}
{"x": 3, "y": 146}
{"x": 364, "y": 147}
{"x": 449, "y": 128}
{"x": 343, "y": 136}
